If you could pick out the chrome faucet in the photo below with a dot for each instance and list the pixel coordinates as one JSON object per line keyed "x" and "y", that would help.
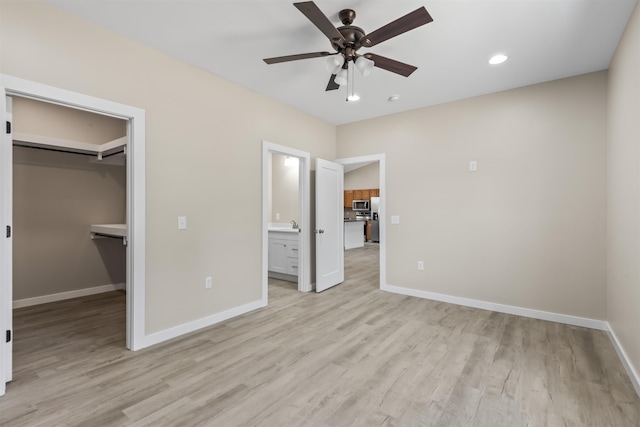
{"x": 294, "y": 224}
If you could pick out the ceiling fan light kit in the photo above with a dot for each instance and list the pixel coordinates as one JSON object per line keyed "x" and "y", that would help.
{"x": 348, "y": 39}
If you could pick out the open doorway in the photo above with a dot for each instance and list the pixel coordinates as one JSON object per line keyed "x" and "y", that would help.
{"x": 135, "y": 203}
{"x": 365, "y": 249}
{"x": 286, "y": 218}
{"x": 58, "y": 190}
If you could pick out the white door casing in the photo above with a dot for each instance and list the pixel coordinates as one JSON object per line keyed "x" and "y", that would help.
{"x": 380, "y": 159}
{"x": 135, "y": 217}
{"x": 329, "y": 228}
{"x": 304, "y": 207}
{"x": 6, "y": 215}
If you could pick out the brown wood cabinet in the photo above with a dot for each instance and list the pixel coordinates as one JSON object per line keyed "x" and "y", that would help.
{"x": 364, "y": 194}
{"x": 361, "y": 195}
{"x": 348, "y": 198}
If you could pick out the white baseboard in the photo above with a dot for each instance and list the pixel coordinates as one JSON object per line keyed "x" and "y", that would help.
{"x": 186, "y": 328}
{"x": 628, "y": 366}
{"x": 502, "y": 308}
{"x": 26, "y": 302}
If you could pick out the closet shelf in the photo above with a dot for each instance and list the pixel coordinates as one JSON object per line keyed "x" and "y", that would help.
{"x": 116, "y": 148}
{"x": 109, "y": 230}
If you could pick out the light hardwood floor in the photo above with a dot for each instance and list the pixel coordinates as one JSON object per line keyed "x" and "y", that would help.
{"x": 350, "y": 356}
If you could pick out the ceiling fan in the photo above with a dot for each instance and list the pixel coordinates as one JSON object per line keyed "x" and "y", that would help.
{"x": 348, "y": 39}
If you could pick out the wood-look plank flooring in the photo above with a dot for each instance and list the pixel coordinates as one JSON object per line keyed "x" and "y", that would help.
{"x": 351, "y": 355}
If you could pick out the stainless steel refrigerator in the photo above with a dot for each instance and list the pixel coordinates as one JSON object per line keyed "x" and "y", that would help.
{"x": 375, "y": 224}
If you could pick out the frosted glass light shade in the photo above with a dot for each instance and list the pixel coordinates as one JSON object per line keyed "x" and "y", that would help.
{"x": 364, "y": 65}
{"x": 334, "y": 62}
{"x": 341, "y": 77}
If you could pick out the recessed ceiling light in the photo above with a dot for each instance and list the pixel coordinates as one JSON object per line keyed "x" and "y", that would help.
{"x": 498, "y": 59}
{"x": 393, "y": 98}
{"x": 353, "y": 97}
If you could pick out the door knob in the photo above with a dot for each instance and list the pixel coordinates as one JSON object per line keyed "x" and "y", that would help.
{"x": 321, "y": 231}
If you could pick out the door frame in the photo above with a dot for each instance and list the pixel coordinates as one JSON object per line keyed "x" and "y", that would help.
{"x": 135, "y": 170}
{"x": 380, "y": 159}
{"x": 304, "y": 207}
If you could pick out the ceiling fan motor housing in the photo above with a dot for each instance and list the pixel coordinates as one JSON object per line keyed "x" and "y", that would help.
{"x": 351, "y": 35}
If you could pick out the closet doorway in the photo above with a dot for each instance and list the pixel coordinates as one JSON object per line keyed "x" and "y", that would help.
{"x": 132, "y": 214}
{"x": 62, "y": 193}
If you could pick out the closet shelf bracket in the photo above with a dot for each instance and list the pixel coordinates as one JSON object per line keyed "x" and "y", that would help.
{"x": 101, "y": 231}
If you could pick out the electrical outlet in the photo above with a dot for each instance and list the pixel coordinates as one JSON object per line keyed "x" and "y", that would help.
{"x": 395, "y": 219}
{"x": 208, "y": 282}
{"x": 420, "y": 265}
{"x": 277, "y": 216}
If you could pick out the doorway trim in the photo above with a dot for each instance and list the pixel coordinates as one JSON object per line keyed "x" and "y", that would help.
{"x": 14, "y": 86}
{"x": 304, "y": 207}
{"x": 380, "y": 158}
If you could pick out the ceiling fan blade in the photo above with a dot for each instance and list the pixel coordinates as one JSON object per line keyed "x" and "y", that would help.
{"x": 288, "y": 58}
{"x": 401, "y": 25}
{"x": 332, "y": 85}
{"x": 391, "y": 64}
{"x": 320, "y": 20}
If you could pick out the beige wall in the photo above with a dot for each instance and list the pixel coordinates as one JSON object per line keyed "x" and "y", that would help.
{"x": 56, "y": 197}
{"x": 203, "y": 153}
{"x": 41, "y": 118}
{"x": 362, "y": 178}
{"x": 623, "y": 215}
{"x": 285, "y": 183}
{"x": 528, "y": 228}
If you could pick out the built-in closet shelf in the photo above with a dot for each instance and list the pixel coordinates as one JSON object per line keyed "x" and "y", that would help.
{"x": 118, "y": 231}
{"x": 112, "y": 152}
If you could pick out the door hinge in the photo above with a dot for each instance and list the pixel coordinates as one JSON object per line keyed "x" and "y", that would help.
{"x": 8, "y": 231}
{"x": 8, "y": 127}
{"x": 8, "y": 335}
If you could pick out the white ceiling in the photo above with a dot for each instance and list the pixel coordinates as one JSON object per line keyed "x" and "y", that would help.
{"x": 544, "y": 39}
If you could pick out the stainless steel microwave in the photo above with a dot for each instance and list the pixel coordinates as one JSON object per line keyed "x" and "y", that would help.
{"x": 360, "y": 205}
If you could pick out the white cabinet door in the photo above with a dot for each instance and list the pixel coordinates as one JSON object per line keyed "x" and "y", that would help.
{"x": 278, "y": 255}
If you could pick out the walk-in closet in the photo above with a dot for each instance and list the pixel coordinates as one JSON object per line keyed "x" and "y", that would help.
{"x": 69, "y": 204}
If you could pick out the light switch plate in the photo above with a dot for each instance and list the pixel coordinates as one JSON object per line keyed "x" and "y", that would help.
{"x": 395, "y": 219}
{"x": 182, "y": 223}
{"x": 473, "y": 165}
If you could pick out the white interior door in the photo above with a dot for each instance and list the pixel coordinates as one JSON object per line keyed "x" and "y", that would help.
{"x": 329, "y": 228}
{"x": 6, "y": 280}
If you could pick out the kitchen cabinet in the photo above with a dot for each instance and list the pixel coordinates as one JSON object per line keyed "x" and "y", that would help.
{"x": 361, "y": 195}
{"x": 283, "y": 255}
{"x": 368, "y": 231}
{"x": 348, "y": 198}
